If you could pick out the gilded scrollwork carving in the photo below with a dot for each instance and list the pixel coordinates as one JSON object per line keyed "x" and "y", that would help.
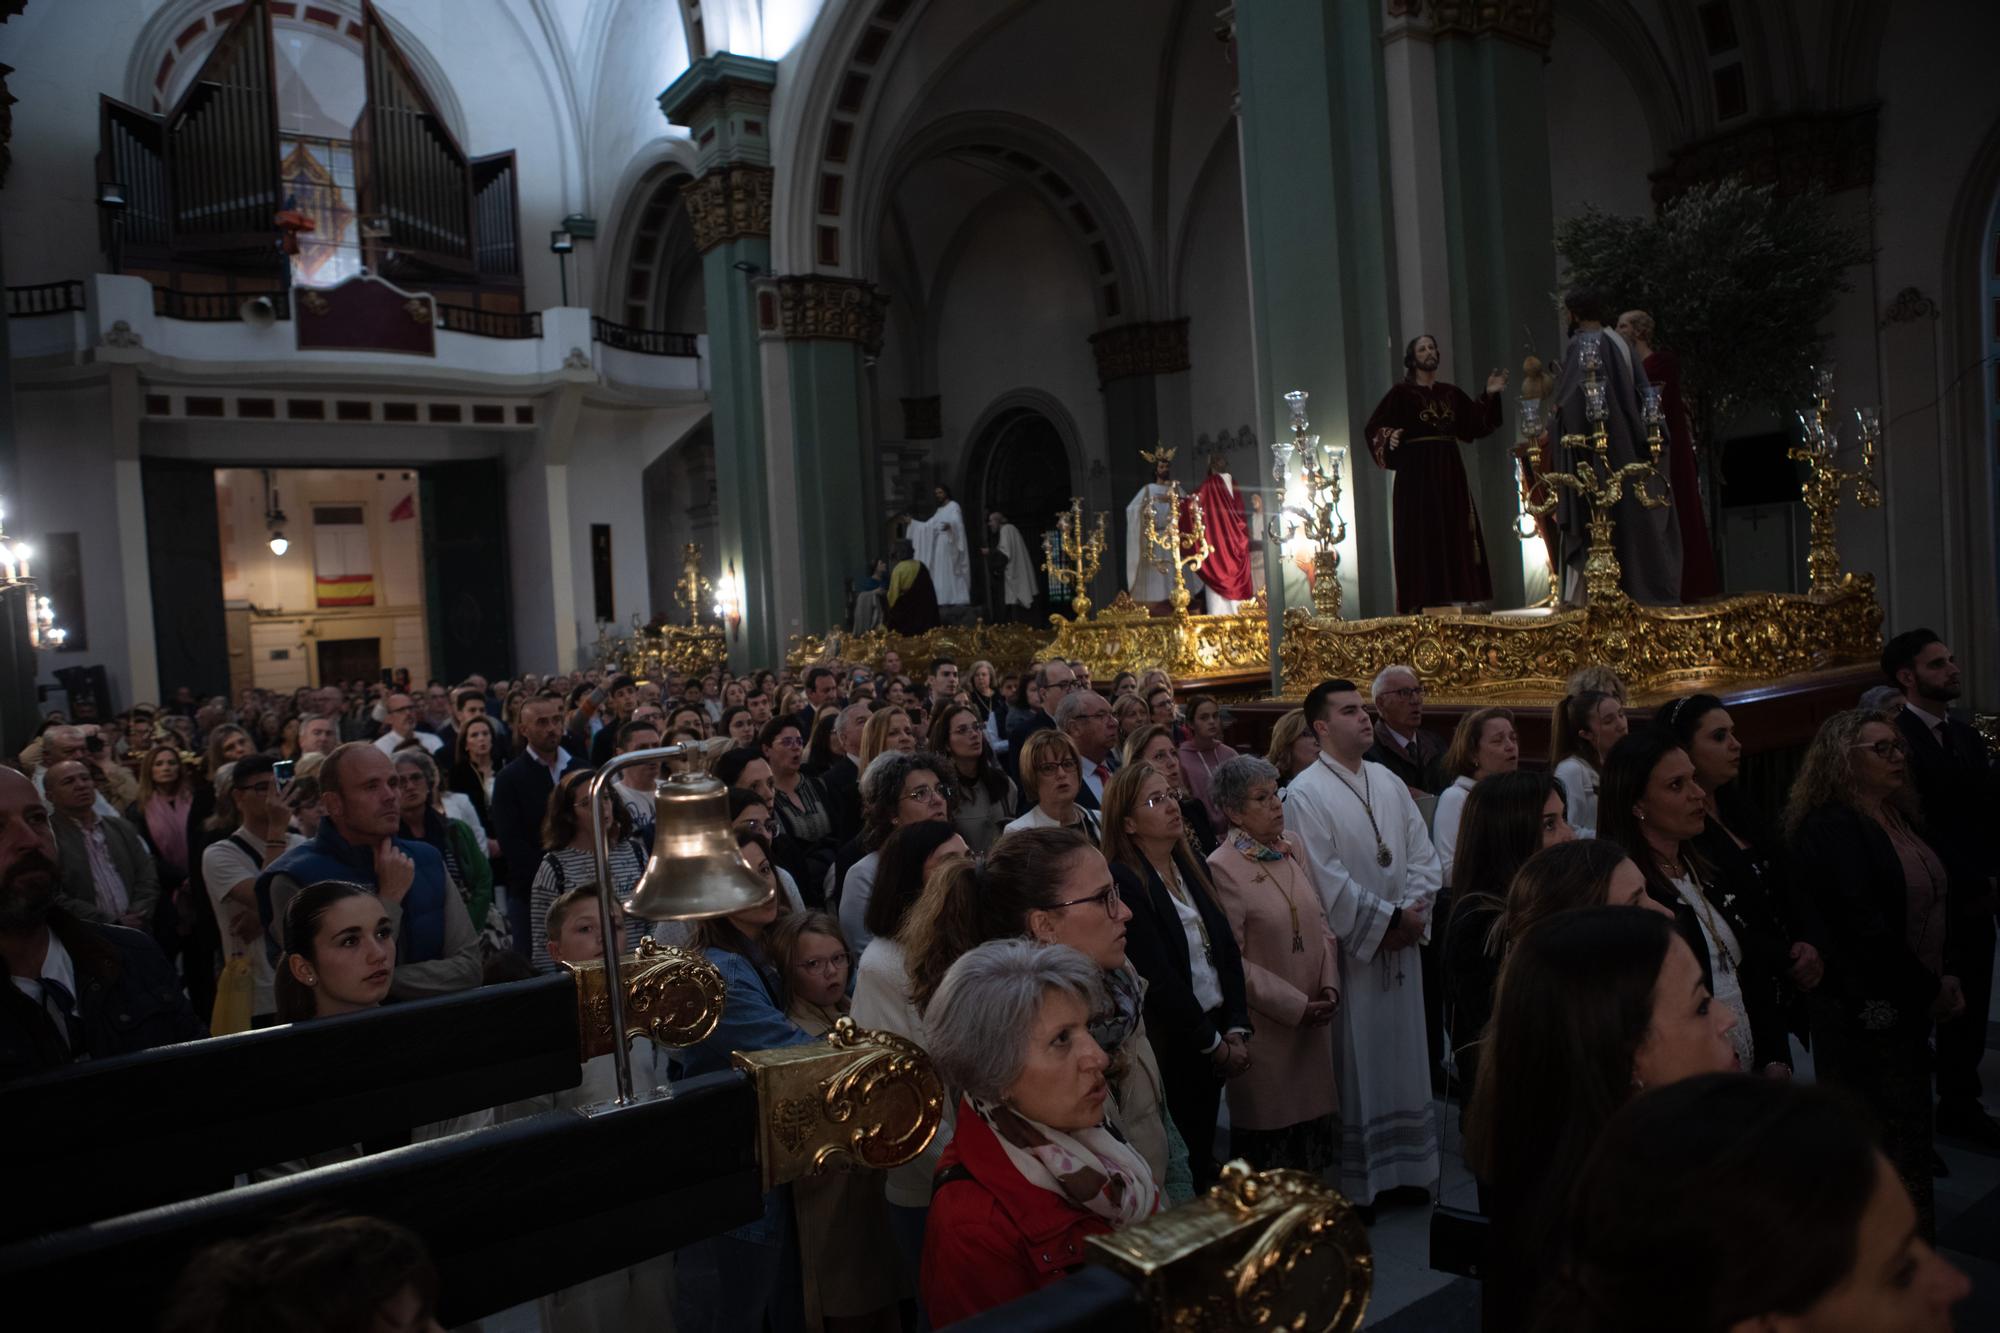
{"x": 1262, "y": 1250}
{"x": 1530, "y": 21}
{"x": 1526, "y": 658}
{"x": 842, "y": 309}
{"x": 728, "y": 203}
{"x": 652, "y": 652}
{"x": 1007, "y": 647}
{"x": 1126, "y": 637}
{"x": 672, "y": 997}
{"x": 1159, "y": 348}
{"x": 861, "y": 1097}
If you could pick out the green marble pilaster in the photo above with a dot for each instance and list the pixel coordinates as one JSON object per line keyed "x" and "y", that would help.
{"x": 826, "y": 391}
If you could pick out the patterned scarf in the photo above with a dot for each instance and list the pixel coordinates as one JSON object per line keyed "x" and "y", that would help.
{"x": 1125, "y": 994}
{"x": 1253, "y": 849}
{"x": 1093, "y": 1169}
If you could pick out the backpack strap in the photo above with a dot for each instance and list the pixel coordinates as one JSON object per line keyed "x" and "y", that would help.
{"x": 950, "y": 1175}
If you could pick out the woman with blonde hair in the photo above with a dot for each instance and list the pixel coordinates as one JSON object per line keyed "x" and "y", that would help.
{"x": 1293, "y": 747}
{"x": 1051, "y": 777}
{"x": 887, "y": 729}
{"x": 1154, "y": 744}
{"x": 1586, "y": 725}
{"x": 1483, "y": 746}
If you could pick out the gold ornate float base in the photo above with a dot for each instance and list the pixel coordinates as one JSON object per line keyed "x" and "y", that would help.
{"x": 651, "y": 653}
{"x": 1125, "y": 637}
{"x": 1008, "y": 647}
{"x": 1525, "y": 657}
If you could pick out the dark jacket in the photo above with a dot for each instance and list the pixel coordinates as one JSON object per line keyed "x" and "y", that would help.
{"x": 842, "y": 781}
{"x": 1422, "y": 768}
{"x": 520, "y": 801}
{"x": 129, "y": 853}
{"x": 331, "y": 857}
{"x": 1025, "y": 725}
{"x": 1959, "y": 791}
{"x": 1158, "y": 947}
{"x": 991, "y": 1236}
{"x": 128, "y": 999}
{"x": 1847, "y": 869}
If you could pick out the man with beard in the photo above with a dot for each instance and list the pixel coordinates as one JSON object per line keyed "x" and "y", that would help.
{"x": 1415, "y": 433}
{"x": 80, "y": 990}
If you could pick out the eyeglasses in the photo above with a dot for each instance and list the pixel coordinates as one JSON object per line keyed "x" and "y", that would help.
{"x": 1055, "y": 765}
{"x": 1110, "y": 898}
{"x": 1883, "y": 749}
{"x": 1407, "y": 692}
{"x": 768, "y": 826}
{"x": 819, "y": 966}
{"x": 942, "y": 791}
{"x": 1158, "y": 799}
{"x": 1057, "y": 685}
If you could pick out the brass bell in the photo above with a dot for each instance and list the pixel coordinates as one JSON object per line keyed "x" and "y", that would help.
{"x": 696, "y": 870}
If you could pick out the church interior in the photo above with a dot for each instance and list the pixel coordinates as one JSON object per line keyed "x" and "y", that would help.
{"x": 958, "y": 473}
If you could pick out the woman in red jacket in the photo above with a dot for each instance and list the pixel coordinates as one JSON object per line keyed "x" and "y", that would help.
{"x": 1034, "y": 1167}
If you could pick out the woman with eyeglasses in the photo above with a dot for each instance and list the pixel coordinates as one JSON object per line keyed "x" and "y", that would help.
{"x": 1052, "y": 775}
{"x": 800, "y": 802}
{"x": 987, "y": 800}
{"x": 1155, "y": 745}
{"x": 1284, "y": 1110}
{"x": 1872, "y": 897}
{"x": 847, "y": 1252}
{"x": 896, "y": 791}
{"x": 1185, "y": 949}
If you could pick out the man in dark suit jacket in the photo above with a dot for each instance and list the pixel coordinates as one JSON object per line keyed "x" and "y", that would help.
{"x": 521, "y": 801}
{"x": 1954, "y": 774}
{"x": 1055, "y": 680}
{"x": 822, "y": 691}
{"x": 1401, "y": 744}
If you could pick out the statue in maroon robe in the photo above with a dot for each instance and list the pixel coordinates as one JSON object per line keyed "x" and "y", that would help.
{"x": 1699, "y": 577}
{"x": 1415, "y": 433}
{"x": 1226, "y": 572}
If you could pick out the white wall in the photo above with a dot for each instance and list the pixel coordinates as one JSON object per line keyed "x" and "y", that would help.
{"x": 67, "y": 485}
{"x": 1215, "y": 296}
{"x": 1599, "y": 148}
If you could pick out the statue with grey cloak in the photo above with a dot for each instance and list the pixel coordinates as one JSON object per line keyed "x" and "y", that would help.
{"x": 1648, "y": 541}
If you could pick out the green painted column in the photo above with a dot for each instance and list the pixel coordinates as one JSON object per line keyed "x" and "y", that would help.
{"x": 1316, "y": 209}
{"x": 725, "y": 100}
{"x": 820, "y": 332}
{"x": 1499, "y": 221}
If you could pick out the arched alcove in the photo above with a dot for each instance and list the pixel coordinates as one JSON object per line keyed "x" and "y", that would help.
{"x": 655, "y": 280}
{"x": 1020, "y": 463}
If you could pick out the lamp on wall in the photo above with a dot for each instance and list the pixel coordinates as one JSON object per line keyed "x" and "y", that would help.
{"x": 561, "y": 244}
{"x": 729, "y": 600}
{"x": 274, "y": 518}
{"x": 43, "y": 632}
{"x": 111, "y": 202}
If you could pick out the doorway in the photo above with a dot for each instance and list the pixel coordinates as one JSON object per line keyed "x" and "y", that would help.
{"x": 343, "y": 660}
{"x": 1021, "y": 468}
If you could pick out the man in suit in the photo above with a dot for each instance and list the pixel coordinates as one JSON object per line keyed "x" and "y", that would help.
{"x": 842, "y": 778}
{"x": 108, "y": 875}
{"x": 1085, "y": 717}
{"x": 1055, "y": 680}
{"x": 1401, "y": 744}
{"x": 822, "y": 691}
{"x": 521, "y": 800}
{"x": 79, "y": 989}
{"x": 1959, "y": 791}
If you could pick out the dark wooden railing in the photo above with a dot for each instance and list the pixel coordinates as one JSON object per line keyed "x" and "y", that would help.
{"x": 215, "y": 307}
{"x": 488, "y": 323}
{"x": 45, "y": 298}
{"x": 651, "y": 342}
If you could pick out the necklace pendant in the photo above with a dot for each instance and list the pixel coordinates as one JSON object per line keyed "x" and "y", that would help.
{"x": 1298, "y": 943}
{"x": 1382, "y": 856}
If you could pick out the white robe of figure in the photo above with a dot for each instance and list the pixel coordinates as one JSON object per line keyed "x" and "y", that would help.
{"x": 1142, "y": 577}
{"x": 1019, "y": 587}
{"x": 1388, "y": 1130}
{"x": 940, "y": 545}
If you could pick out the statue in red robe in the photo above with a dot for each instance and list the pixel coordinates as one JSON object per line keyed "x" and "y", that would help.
{"x": 1226, "y": 572}
{"x": 1699, "y": 577}
{"x": 1415, "y": 433}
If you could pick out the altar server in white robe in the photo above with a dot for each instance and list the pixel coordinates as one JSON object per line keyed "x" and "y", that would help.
{"x": 942, "y": 548}
{"x": 1377, "y": 874}
{"x": 1017, "y": 587}
{"x": 1142, "y": 577}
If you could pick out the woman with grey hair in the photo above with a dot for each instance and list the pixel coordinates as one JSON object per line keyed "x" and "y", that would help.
{"x": 425, "y": 819}
{"x": 1882, "y": 699}
{"x": 1036, "y": 1166}
{"x": 896, "y": 789}
{"x": 1284, "y": 1110}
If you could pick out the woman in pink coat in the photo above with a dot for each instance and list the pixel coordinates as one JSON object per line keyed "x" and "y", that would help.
{"x": 1285, "y": 1110}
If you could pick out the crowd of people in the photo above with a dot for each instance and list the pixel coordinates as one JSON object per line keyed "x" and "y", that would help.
{"x": 1132, "y": 951}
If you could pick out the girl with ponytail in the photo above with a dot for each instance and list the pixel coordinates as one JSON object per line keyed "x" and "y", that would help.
{"x": 342, "y": 953}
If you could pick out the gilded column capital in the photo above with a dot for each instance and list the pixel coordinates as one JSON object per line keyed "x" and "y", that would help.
{"x": 1125, "y": 350}
{"x": 727, "y": 204}
{"x": 1531, "y": 22}
{"x": 814, "y": 305}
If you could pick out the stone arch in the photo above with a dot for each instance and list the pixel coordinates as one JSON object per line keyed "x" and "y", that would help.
{"x": 651, "y": 242}
{"x": 1618, "y": 28}
{"x": 993, "y": 429}
{"x": 1970, "y": 264}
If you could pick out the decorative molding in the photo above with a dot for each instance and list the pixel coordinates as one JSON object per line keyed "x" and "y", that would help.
{"x": 121, "y": 334}
{"x": 1530, "y": 22}
{"x": 923, "y": 418}
{"x": 813, "y": 305}
{"x": 1226, "y": 442}
{"x": 1829, "y": 151}
{"x": 578, "y": 359}
{"x": 1158, "y": 348}
{"x": 1909, "y": 306}
{"x": 728, "y": 204}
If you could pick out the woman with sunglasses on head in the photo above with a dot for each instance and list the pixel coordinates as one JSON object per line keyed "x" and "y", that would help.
{"x": 847, "y": 1253}
{"x": 1872, "y": 895}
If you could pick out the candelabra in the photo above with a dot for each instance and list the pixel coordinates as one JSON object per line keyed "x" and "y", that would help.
{"x": 1316, "y": 516}
{"x": 1826, "y": 479}
{"x": 1525, "y": 525}
{"x": 1070, "y": 556}
{"x": 692, "y": 589}
{"x": 43, "y": 631}
{"x": 1178, "y": 547}
{"x": 1592, "y": 477}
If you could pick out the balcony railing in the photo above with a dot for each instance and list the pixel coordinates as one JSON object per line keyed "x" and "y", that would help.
{"x": 651, "y": 342}
{"x": 216, "y": 307}
{"x": 488, "y": 323}
{"x": 45, "y": 298}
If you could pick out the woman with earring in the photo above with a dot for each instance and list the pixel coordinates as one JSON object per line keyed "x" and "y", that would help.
{"x": 1877, "y": 913}
{"x": 1653, "y": 807}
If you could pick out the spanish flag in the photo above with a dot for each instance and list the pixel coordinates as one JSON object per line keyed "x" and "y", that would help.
{"x": 344, "y": 590}
{"x": 343, "y": 570}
